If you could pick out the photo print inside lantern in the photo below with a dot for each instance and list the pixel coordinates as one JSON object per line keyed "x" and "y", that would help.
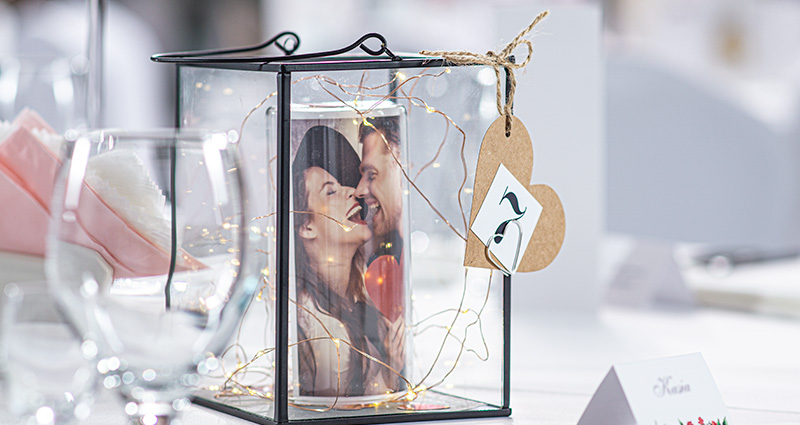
{"x": 348, "y": 254}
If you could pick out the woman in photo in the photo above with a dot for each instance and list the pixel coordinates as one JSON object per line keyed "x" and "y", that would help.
{"x": 333, "y": 308}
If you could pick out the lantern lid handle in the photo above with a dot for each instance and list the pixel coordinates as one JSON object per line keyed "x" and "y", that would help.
{"x": 287, "y": 41}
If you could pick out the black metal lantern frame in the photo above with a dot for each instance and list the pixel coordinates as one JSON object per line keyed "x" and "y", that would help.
{"x": 283, "y": 68}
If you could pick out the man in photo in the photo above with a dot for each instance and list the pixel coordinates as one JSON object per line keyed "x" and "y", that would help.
{"x": 380, "y": 190}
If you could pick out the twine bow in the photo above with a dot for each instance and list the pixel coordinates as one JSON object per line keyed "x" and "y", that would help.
{"x": 497, "y": 61}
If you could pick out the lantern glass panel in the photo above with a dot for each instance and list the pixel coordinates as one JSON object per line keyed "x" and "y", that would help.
{"x": 224, "y": 99}
{"x": 395, "y": 150}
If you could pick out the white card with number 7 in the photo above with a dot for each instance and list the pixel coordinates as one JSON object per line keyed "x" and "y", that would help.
{"x": 506, "y": 219}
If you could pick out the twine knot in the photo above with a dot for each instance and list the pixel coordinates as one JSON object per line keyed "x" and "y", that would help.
{"x": 497, "y": 61}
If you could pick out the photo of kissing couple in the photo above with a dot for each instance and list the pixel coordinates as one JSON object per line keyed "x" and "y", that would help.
{"x": 348, "y": 213}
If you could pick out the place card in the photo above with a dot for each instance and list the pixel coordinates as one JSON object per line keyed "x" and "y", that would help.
{"x": 669, "y": 391}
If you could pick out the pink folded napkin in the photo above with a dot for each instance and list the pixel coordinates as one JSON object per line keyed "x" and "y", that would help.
{"x": 130, "y": 254}
{"x": 30, "y": 120}
{"x": 31, "y": 163}
{"x": 27, "y": 174}
{"x": 23, "y": 219}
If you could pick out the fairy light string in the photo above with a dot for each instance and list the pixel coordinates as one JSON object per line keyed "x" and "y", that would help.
{"x": 413, "y": 390}
{"x": 416, "y": 101}
{"x": 234, "y": 381}
{"x": 233, "y": 387}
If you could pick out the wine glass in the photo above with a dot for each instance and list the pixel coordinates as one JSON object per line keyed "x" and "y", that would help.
{"x": 147, "y": 253}
{"x": 50, "y": 374}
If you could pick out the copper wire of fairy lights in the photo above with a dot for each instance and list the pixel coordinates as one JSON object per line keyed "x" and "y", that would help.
{"x": 235, "y": 388}
{"x": 234, "y": 385}
{"x": 415, "y": 101}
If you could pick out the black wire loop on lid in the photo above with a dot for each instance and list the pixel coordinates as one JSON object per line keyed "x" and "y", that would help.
{"x": 287, "y": 41}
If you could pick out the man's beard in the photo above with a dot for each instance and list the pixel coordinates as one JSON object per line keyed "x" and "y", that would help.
{"x": 377, "y": 219}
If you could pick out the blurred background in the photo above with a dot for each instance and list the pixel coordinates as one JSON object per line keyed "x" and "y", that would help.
{"x": 668, "y": 127}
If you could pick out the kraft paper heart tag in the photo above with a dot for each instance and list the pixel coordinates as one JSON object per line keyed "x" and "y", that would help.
{"x": 508, "y": 226}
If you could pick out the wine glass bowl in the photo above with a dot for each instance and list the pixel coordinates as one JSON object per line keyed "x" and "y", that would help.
{"x": 147, "y": 253}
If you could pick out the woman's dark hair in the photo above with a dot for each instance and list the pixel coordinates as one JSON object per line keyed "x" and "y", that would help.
{"x": 328, "y": 149}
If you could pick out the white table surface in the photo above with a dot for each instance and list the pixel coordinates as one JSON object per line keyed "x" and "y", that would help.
{"x": 559, "y": 359}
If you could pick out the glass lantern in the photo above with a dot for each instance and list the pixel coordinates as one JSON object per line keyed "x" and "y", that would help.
{"x": 361, "y": 169}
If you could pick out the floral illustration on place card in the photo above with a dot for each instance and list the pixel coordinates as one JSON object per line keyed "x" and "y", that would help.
{"x": 701, "y": 421}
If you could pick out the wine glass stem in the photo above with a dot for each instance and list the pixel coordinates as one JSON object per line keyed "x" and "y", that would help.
{"x": 153, "y": 420}
{"x": 155, "y": 414}
{"x": 94, "y": 95}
